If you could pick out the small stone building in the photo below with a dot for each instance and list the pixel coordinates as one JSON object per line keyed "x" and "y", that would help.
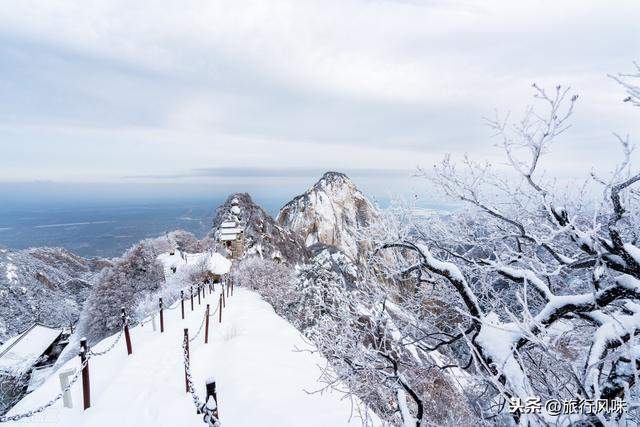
{"x": 231, "y": 236}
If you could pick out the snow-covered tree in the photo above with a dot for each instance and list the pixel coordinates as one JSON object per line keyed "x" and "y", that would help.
{"x": 319, "y": 294}
{"x": 536, "y": 288}
{"x": 184, "y": 241}
{"x": 361, "y": 332}
{"x": 131, "y": 278}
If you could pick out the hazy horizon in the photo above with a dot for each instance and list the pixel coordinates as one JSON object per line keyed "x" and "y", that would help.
{"x": 95, "y": 219}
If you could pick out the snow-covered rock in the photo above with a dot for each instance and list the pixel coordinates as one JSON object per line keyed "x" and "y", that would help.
{"x": 330, "y": 212}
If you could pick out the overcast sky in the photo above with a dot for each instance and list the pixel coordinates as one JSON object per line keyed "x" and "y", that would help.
{"x": 188, "y": 91}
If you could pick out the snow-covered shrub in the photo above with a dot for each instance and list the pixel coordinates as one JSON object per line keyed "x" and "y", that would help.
{"x": 269, "y": 278}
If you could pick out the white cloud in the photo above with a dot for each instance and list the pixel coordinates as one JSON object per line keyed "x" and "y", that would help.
{"x": 169, "y": 86}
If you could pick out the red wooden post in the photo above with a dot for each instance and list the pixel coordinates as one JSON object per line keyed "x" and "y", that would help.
{"x": 191, "y": 298}
{"x": 182, "y": 303}
{"x": 206, "y": 326}
{"x": 127, "y": 337}
{"x": 186, "y": 340}
{"x": 161, "y": 317}
{"x": 86, "y": 387}
{"x": 220, "y": 309}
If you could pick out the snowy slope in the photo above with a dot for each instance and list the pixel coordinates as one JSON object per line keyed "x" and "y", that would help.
{"x": 261, "y": 379}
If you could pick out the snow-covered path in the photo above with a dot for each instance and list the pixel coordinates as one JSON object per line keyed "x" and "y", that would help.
{"x": 261, "y": 379}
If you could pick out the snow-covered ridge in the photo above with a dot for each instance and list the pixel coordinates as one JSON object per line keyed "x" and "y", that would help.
{"x": 330, "y": 212}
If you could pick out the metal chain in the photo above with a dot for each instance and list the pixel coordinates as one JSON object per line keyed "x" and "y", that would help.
{"x": 187, "y": 370}
{"x": 208, "y": 418}
{"x": 174, "y": 305}
{"x": 4, "y": 419}
{"x": 214, "y": 311}
{"x": 108, "y": 349}
{"x": 199, "y": 328}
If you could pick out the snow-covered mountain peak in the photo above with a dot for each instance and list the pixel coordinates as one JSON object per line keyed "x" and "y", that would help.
{"x": 334, "y": 180}
{"x": 330, "y": 212}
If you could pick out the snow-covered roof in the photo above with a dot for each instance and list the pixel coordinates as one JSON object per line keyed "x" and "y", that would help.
{"x": 234, "y": 230}
{"x": 228, "y": 237}
{"x": 19, "y": 353}
{"x": 218, "y": 264}
{"x": 228, "y": 224}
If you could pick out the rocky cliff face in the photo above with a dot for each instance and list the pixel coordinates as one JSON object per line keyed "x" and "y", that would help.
{"x": 262, "y": 235}
{"x": 42, "y": 284}
{"x": 330, "y": 212}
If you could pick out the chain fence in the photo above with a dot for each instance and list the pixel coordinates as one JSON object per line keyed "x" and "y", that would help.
{"x": 208, "y": 408}
{"x": 108, "y": 349}
{"x": 199, "y": 328}
{"x": 175, "y": 305}
{"x": 214, "y": 311}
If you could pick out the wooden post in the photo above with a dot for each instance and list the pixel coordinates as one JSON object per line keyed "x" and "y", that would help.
{"x": 161, "y": 317}
{"x": 191, "y": 298}
{"x": 232, "y": 285}
{"x": 206, "y": 326}
{"x": 86, "y": 387}
{"x": 224, "y": 301}
{"x": 186, "y": 340}
{"x": 210, "y": 386}
{"x": 127, "y": 337}
{"x": 182, "y": 303}
{"x": 220, "y": 310}
{"x": 198, "y": 295}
